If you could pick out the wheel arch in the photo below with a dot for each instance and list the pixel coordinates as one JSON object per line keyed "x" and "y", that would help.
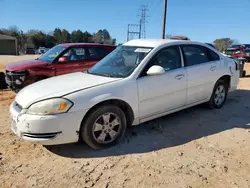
{"x": 227, "y": 79}
{"x": 125, "y": 107}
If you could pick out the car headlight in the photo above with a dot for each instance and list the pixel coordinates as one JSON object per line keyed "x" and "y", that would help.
{"x": 50, "y": 107}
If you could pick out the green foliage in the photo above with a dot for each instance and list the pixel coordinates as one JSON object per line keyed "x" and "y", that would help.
{"x": 224, "y": 43}
{"x": 65, "y": 36}
{"x": 77, "y": 36}
{"x": 36, "y": 38}
{"x": 103, "y": 36}
{"x": 39, "y": 39}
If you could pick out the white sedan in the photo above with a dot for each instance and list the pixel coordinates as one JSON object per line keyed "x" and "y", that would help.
{"x": 139, "y": 81}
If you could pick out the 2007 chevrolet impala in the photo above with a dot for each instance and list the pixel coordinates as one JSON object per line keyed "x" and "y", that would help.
{"x": 139, "y": 81}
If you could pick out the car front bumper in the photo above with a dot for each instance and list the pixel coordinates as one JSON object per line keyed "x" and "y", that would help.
{"x": 46, "y": 130}
{"x": 15, "y": 80}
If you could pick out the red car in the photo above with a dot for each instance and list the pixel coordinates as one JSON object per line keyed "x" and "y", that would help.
{"x": 61, "y": 59}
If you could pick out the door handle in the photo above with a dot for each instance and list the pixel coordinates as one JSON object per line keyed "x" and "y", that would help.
{"x": 213, "y": 68}
{"x": 179, "y": 76}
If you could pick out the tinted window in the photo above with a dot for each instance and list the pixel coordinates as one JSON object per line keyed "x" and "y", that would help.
{"x": 168, "y": 58}
{"x": 75, "y": 54}
{"x": 213, "y": 56}
{"x": 195, "y": 54}
{"x": 97, "y": 53}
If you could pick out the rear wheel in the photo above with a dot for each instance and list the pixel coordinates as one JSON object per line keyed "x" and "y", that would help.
{"x": 103, "y": 127}
{"x": 219, "y": 95}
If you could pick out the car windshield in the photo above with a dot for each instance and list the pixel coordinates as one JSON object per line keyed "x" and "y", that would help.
{"x": 50, "y": 55}
{"x": 121, "y": 62}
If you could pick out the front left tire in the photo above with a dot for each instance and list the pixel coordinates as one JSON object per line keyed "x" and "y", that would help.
{"x": 103, "y": 127}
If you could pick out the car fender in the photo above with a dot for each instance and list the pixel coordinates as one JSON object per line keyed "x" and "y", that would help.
{"x": 87, "y": 99}
{"x": 41, "y": 72}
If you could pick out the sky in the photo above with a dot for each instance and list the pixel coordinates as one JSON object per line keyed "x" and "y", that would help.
{"x": 200, "y": 20}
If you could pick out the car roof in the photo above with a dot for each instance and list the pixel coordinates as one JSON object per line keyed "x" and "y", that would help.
{"x": 152, "y": 42}
{"x": 84, "y": 44}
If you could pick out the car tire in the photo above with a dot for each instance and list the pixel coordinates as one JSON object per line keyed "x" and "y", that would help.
{"x": 219, "y": 95}
{"x": 103, "y": 127}
{"x": 3, "y": 84}
{"x": 244, "y": 74}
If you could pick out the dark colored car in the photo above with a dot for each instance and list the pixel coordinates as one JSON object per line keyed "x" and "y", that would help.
{"x": 30, "y": 51}
{"x": 59, "y": 60}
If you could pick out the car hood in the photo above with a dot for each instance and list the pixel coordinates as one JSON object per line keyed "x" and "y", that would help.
{"x": 59, "y": 86}
{"x": 24, "y": 65}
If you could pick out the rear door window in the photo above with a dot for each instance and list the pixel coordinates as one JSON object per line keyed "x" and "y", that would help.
{"x": 96, "y": 53}
{"x": 195, "y": 54}
{"x": 213, "y": 56}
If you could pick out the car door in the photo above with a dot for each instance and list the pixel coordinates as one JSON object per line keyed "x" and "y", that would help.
{"x": 75, "y": 61}
{"x": 201, "y": 72}
{"x": 160, "y": 93}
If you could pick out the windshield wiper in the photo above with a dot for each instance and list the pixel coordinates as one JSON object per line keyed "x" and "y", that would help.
{"x": 111, "y": 75}
{"x": 100, "y": 74}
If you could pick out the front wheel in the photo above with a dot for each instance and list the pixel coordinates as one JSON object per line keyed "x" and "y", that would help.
{"x": 103, "y": 127}
{"x": 219, "y": 95}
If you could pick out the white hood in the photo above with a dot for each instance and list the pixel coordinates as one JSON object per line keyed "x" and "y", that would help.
{"x": 59, "y": 86}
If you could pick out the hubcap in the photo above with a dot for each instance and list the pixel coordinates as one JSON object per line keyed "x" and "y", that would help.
{"x": 219, "y": 95}
{"x": 106, "y": 128}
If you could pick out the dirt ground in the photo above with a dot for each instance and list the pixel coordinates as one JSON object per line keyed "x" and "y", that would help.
{"x": 196, "y": 147}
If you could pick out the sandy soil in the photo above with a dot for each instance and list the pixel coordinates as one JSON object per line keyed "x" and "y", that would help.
{"x": 196, "y": 147}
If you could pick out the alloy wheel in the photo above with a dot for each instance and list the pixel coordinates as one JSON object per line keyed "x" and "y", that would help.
{"x": 219, "y": 95}
{"x": 106, "y": 128}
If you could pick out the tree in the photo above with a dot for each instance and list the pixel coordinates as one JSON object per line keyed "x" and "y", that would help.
{"x": 36, "y": 38}
{"x": 57, "y": 34}
{"x": 50, "y": 41}
{"x": 98, "y": 37}
{"x": 87, "y": 37}
{"x": 39, "y": 39}
{"x": 23, "y": 39}
{"x": 223, "y": 43}
{"x": 103, "y": 36}
{"x": 65, "y": 36}
{"x": 77, "y": 36}
{"x": 18, "y": 34}
{"x": 106, "y": 35}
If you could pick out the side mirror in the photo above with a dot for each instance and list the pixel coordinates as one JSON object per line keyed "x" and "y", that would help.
{"x": 155, "y": 70}
{"x": 62, "y": 59}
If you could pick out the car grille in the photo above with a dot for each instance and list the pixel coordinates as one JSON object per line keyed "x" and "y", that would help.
{"x": 14, "y": 79}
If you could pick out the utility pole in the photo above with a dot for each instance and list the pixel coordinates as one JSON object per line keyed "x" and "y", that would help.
{"x": 164, "y": 19}
{"x": 138, "y": 30}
